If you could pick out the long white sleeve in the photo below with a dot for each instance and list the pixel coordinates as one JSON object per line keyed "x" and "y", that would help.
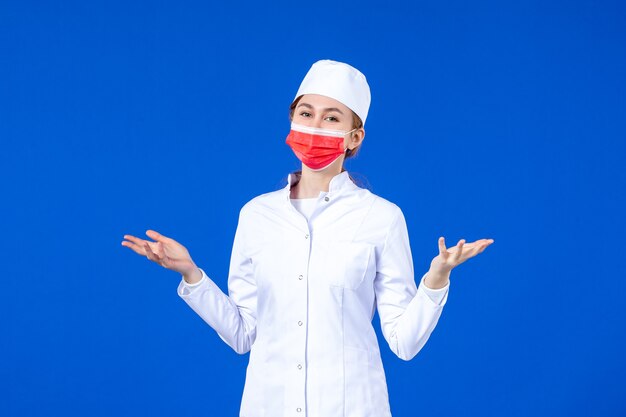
{"x": 232, "y": 316}
{"x": 408, "y": 313}
{"x": 437, "y": 295}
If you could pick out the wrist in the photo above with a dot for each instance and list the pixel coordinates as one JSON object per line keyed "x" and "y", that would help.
{"x": 436, "y": 279}
{"x": 193, "y": 277}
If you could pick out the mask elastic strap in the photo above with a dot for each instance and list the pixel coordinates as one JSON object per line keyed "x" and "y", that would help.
{"x": 356, "y": 128}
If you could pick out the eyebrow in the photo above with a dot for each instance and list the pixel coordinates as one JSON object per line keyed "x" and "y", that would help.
{"x": 328, "y": 109}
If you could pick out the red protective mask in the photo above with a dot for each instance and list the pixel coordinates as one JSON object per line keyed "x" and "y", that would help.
{"x": 316, "y": 148}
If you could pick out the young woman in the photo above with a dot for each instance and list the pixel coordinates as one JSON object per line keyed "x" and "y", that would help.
{"x": 310, "y": 263}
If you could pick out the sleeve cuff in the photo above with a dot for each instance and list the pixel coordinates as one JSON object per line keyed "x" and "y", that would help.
{"x": 197, "y": 283}
{"x": 438, "y": 295}
{"x": 184, "y": 288}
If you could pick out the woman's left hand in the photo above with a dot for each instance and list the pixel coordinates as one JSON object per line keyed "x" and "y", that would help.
{"x": 447, "y": 259}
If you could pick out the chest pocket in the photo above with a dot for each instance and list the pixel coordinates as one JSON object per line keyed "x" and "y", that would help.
{"x": 350, "y": 264}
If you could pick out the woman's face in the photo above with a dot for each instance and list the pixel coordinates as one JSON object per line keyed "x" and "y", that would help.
{"x": 314, "y": 110}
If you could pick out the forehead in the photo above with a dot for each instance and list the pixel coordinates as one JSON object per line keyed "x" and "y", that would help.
{"x": 322, "y": 102}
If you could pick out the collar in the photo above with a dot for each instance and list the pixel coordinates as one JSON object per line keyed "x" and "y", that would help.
{"x": 338, "y": 183}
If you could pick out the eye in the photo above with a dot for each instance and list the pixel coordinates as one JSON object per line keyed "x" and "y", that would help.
{"x": 332, "y": 119}
{"x": 305, "y": 114}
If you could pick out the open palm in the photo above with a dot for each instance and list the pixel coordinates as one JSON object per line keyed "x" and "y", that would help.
{"x": 449, "y": 258}
{"x": 164, "y": 251}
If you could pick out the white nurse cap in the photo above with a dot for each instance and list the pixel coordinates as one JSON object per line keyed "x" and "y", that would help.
{"x": 338, "y": 81}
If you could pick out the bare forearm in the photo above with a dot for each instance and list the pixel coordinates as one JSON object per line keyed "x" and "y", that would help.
{"x": 193, "y": 277}
{"x": 437, "y": 278}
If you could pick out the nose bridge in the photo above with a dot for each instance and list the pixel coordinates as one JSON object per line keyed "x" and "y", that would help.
{"x": 319, "y": 118}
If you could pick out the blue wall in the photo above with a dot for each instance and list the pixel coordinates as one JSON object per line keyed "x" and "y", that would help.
{"x": 488, "y": 120}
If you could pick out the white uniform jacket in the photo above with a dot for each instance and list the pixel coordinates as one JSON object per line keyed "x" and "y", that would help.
{"x": 302, "y": 297}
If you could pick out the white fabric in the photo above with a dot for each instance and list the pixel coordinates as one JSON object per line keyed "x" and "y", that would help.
{"x": 305, "y": 206}
{"x": 339, "y": 81}
{"x": 302, "y": 296}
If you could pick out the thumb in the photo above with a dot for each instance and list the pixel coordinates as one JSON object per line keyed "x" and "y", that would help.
{"x": 156, "y": 236}
{"x": 442, "y": 246}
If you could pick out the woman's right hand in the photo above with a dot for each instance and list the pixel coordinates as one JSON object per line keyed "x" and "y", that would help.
{"x": 166, "y": 252}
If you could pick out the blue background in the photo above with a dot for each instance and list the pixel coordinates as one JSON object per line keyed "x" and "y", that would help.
{"x": 488, "y": 120}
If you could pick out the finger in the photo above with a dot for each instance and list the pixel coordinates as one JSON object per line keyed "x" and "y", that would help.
{"x": 157, "y": 236}
{"x": 160, "y": 251}
{"x": 467, "y": 246}
{"x": 134, "y": 239}
{"x": 442, "y": 246}
{"x": 134, "y": 243}
{"x": 484, "y": 246}
{"x": 473, "y": 252}
{"x": 138, "y": 249}
{"x": 150, "y": 254}
{"x": 146, "y": 247}
{"x": 459, "y": 249}
{"x": 478, "y": 242}
{"x": 165, "y": 261}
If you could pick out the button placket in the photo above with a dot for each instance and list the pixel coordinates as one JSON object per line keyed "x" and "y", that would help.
{"x": 299, "y": 388}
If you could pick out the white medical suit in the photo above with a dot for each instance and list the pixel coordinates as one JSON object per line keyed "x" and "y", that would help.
{"x": 302, "y": 295}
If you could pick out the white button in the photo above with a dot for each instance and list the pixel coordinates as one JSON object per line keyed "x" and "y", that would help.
{"x": 299, "y": 366}
{"x": 298, "y": 409}
{"x": 326, "y": 198}
{"x": 306, "y": 236}
{"x": 300, "y": 277}
{"x": 299, "y": 323}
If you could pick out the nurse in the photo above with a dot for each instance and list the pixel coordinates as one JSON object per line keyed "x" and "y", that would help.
{"x": 310, "y": 265}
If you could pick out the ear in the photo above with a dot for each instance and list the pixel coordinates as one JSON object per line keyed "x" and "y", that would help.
{"x": 357, "y": 138}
